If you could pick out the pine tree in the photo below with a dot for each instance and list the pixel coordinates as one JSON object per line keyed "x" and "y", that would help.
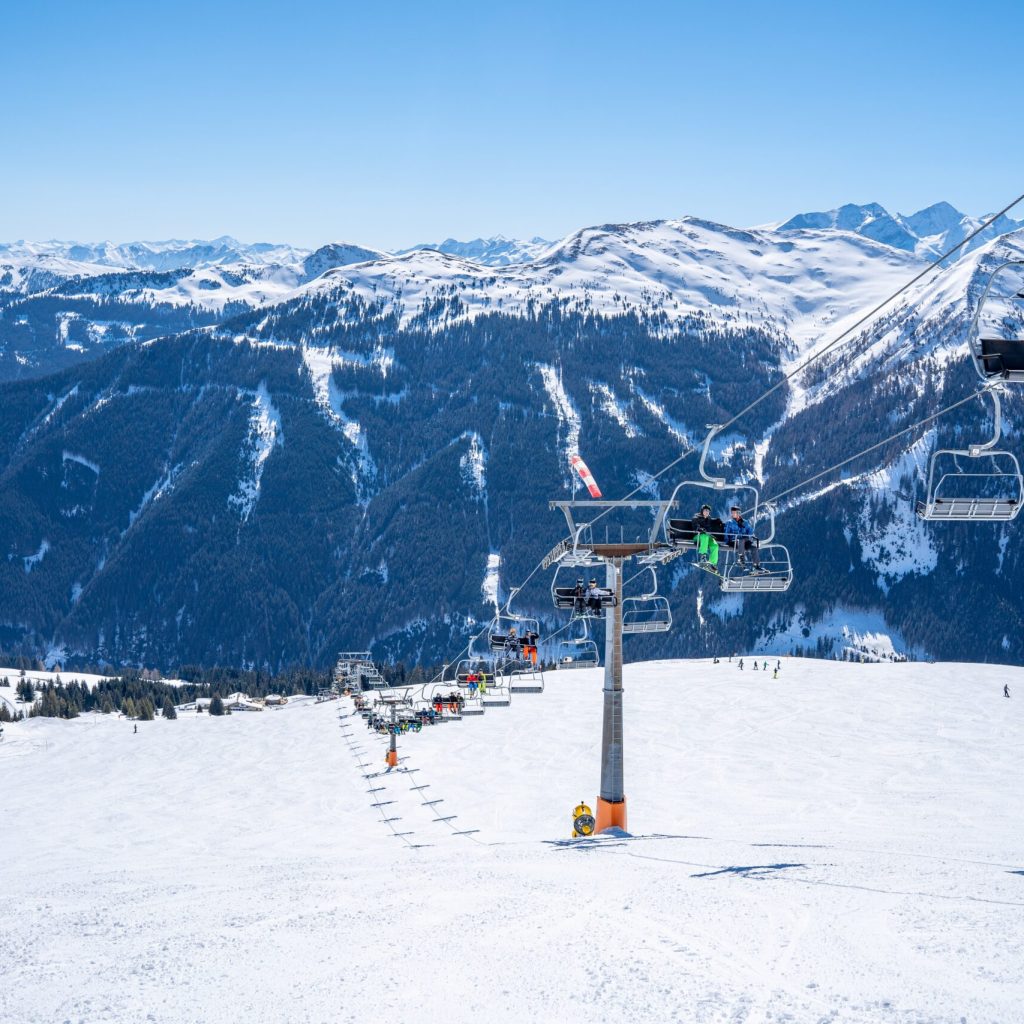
{"x": 146, "y": 710}
{"x": 128, "y": 708}
{"x": 169, "y": 710}
{"x": 26, "y": 693}
{"x": 106, "y": 707}
{"x": 216, "y": 705}
{"x": 5, "y": 712}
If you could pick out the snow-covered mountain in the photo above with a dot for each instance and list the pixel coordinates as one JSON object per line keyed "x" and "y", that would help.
{"x": 338, "y": 254}
{"x": 173, "y": 254}
{"x": 498, "y": 251}
{"x": 928, "y": 233}
{"x": 792, "y": 285}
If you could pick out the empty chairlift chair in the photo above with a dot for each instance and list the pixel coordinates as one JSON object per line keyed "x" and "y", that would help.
{"x": 981, "y": 483}
{"x": 648, "y": 612}
{"x": 578, "y": 651}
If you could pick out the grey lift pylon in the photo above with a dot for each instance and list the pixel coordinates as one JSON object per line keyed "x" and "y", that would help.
{"x": 582, "y": 549}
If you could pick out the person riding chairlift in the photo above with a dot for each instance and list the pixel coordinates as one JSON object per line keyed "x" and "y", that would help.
{"x": 530, "y": 646}
{"x": 512, "y": 641}
{"x": 708, "y": 529}
{"x": 594, "y": 595}
{"x": 739, "y": 535}
{"x": 579, "y": 596}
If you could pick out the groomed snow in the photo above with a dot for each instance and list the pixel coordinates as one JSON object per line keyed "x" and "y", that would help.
{"x": 842, "y": 844}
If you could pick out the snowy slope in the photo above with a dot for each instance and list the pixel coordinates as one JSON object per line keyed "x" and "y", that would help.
{"x": 841, "y": 844}
{"x": 497, "y": 251}
{"x": 797, "y": 286}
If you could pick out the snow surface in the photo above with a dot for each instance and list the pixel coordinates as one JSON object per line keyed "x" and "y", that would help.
{"x": 320, "y": 361}
{"x": 842, "y": 844}
{"x": 31, "y": 561}
{"x": 67, "y": 456}
{"x": 473, "y": 466}
{"x": 264, "y": 434}
{"x": 568, "y": 417}
{"x": 489, "y": 587}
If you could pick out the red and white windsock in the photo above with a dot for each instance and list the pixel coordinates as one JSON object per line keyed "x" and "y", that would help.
{"x": 585, "y": 475}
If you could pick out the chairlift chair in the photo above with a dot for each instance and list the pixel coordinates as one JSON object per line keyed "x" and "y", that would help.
{"x": 996, "y": 356}
{"x": 648, "y": 612}
{"x": 994, "y": 491}
{"x": 564, "y": 598}
{"x": 734, "y": 575}
{"x": 579, "y": 651}
{"x": 514, "y": 670}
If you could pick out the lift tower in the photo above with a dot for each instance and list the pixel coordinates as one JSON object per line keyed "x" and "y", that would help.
{"x": 581, "y": 549}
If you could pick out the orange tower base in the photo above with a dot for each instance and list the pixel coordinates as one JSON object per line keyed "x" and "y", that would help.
{"x": 392, "y": 758}
{"x": 610, "y": 814}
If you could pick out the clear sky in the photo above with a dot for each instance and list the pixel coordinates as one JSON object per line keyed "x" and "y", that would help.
{"x": 391, "y": 123}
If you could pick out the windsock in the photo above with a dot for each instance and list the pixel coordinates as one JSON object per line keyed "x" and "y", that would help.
{"x": 585, "y": 475}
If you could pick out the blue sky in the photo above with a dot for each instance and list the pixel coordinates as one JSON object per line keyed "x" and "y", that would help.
{"x": 394, "y": 123}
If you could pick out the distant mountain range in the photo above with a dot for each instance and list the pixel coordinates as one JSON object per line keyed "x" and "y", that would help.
{"x": 928, "y": 233}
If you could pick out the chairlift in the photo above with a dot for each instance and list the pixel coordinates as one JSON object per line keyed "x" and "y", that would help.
{"x": 578, "y": 651}
{"x": 567, "y": 598}
{"x": 993, "y": 492}
{"x": 997, "y": 344}
{"x": 648, "y": 612}
{"x": 991, "y": 489}
{"x": 513, "y": 640}
{"x": 737, "y": 571}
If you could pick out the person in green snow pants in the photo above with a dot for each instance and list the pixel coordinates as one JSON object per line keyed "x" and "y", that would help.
{"x": 707, "y": 527}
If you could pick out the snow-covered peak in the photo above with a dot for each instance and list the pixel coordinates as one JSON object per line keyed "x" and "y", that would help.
{"x": 934, "y": 219}
{"x": 338, "y": 254}
{"x": 497, "y": 251}
{"x": 928, "y": 233}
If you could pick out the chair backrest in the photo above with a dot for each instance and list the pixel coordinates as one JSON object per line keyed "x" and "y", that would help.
{"x": 681, "y": 529}
{"x": 1003, "y": 354}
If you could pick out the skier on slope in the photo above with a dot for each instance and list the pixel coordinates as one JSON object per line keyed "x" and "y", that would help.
{"x": 1006, "y": 689}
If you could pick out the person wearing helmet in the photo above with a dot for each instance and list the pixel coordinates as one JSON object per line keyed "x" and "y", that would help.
{"x": 709, "y": 531}
{"x": 594, "y": 595}
{"x": 579, "y": 597}
{"x": 739, "y": 535}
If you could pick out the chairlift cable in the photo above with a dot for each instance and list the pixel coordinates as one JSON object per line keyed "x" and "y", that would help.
{"x": 880, "y": 444}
